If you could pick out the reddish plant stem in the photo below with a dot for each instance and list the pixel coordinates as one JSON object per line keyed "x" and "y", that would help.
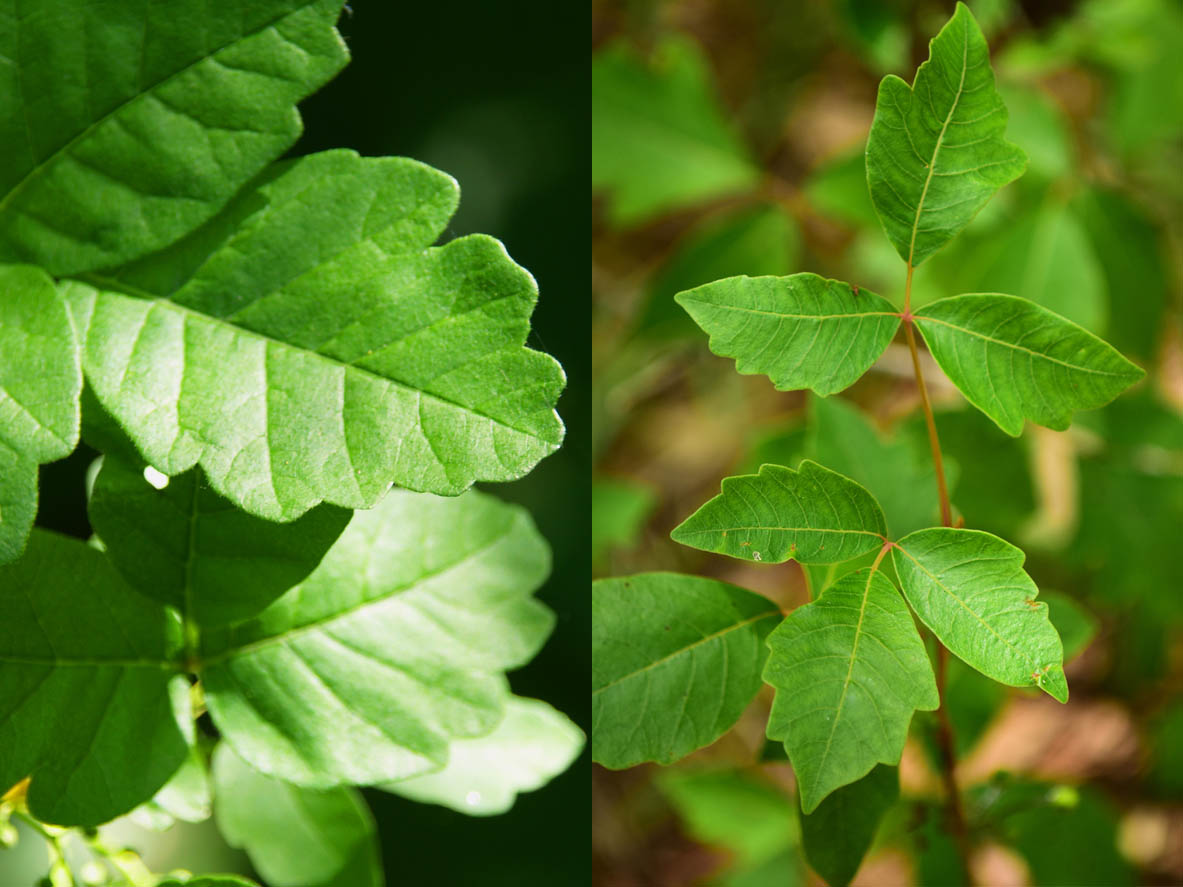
{"x": 954, "y": 811}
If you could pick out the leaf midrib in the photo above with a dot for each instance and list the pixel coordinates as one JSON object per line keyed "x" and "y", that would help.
{"x": 818, "y": 317}
{"x": 65, "y": 149}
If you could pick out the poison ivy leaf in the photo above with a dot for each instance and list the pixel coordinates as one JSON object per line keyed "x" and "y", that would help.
{"x": 675, "y": 660}
{"x": 532, "y": 744}
{"x": 295, "y": 837}
{"x": 126, "y": 127}
{"x": 659, "y": 138}
{"x": 811, "y": 515}
{"x": 87, "y": 684}
{"x": 313, "y": 346}
{"x": 802, "y": 331}
{"x": 40, "y": 382}
{"x": 186, "y": 546}
{"x": 751, "y": 817}
{"x": 838, "y": 834}
{"x": 969, "y": 587}
{"x": 849, "y": 670}
{"x": 313, "y": 691}
{"x": 936, "y": 152}
{"x": 755, "y": 241}
{"x": 1014, "y": 360}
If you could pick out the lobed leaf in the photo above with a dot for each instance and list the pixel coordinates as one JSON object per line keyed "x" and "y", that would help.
{"x": 186, "y": 546}
{"x": 936, "y": 152}
{"x": 802, "y": 331}
{"x": 309, "y": 345}
{"x": 123, "y": 127}
{"x": 811, "y": 515}
{"x": 40, "y": 383}
{"x": 532, "y": 744}
{"x": 295, "y": 837}
{"x": 837, "y": 835}
{"x": 88, "y": 681}
{"x": 849, "y": 670}
{"x": 969, "y": 587}
{"x": 1015, "y": 360}
{"x": 315, "y": 690}
{"x": 675, "y": 660}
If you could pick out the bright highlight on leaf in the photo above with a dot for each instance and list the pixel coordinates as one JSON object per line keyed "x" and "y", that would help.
{"x": 1015, "y": 360}
{"x": 675, "y": 660}
{"x": 802, "y": 331}
{"x": 40, "y": 381}
{"x": 812, "y": 515}
{"x": 849, "y": 671}
{"x": 936, "y": 151}
{"x": 969, "y": 587}
{"x": 319, "y": 349}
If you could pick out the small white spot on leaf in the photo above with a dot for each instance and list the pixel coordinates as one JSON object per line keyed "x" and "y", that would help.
{"x": 154, "y": 477}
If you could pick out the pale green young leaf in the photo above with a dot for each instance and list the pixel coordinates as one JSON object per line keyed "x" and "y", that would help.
{"x": 659, "y": 138}
{"x": 125, "y": 126}
{"x": 936, "y": 151}
{"x": 802, "y": 331}
{"x": 394, "y": 646}
{"x": 186, "y": 546}
{"x": 40, "y": 383}
{"x": 309, "y": 344}
{"x": 970, "y": 588}
{"x": 1015, "y": 360}
{"x": 88, "y": 681}
{"x": 675, "y": 660}
{"x": 837, "y": 835}
{"x": 533, "y": 744}
{"x": 811, "y": 515}
{"x": 295, "y": 837}
{"x": 849, "y": 670}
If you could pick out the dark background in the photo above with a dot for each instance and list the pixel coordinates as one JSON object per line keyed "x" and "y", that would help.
{"x": 496, "y": 96}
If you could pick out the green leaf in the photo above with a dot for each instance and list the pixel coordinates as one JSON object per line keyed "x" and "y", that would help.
{"x": 675, "y": 661}
{"x": 659, "y": 138}
{"x": 936, "y": 152}
{"x": 88, "y": 682}
{"x": 309, "y": 344}
{"x": 749, "y": 816}
{"x": 969, "y": 587}
{"x": 811, "y": 515}
{"x": 896, "y": 472}
{"x": 1075, "y": 625}
{"x": 838, "y": 834}
{"x": 849, "y": 670}
{"x": 620, "y": 509}
{"x": 533, "y": 744}
{"x": 839, "y": 190}
{"x": 1014, "y": 360}
{"x": 186, "y": 796}
{"x": 295, "y": 837}
{"x": 209, "y": 881}
{"x": 125, "y": 128}
{"x": 314, "y": 691}
{"x": 186, "y": 546}
{"x": 802, "y": 331}
{"x": 40, "y": 383}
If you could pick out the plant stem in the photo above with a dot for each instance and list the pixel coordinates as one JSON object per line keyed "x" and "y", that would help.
{"x": 945, "y": 741}
{"x": 59, "y": 868}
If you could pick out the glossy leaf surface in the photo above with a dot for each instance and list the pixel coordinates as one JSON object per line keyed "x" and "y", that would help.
{"x": 849, "y": 670}
{"x": 675, "y": 660}
{"x": 87, "y": 683}
{"x": 936, "y": 152}
{"x": 812, "y": 515}
{"x": 309, "y": 344}
{"x": 970, "y": 588}
{"x": 186, "y": 546}
{"x": 837, "y": 835}
{"x": 532, "y": 744}
{"x": 314, "y": 691}
{"x": 124, "y": 127}
{"x": 802, "y": 331}
{"x": 295, "y": 837}
{"x": 1015, "y": 360}
{"x": 40, "y": 382}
